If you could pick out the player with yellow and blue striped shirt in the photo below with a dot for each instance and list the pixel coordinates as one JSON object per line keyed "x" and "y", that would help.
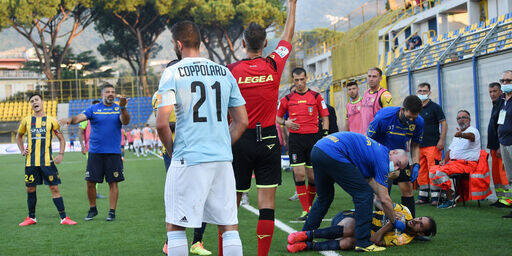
{"x": 39, "y": 163}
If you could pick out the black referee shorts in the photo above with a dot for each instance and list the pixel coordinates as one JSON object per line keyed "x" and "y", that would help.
{"x": 108, "y": 166}
{"x": 264, "y": 158}
{"x": 300, "y": 146}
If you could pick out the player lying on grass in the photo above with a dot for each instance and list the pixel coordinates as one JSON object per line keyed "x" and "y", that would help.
{"x": 340, "y": 234}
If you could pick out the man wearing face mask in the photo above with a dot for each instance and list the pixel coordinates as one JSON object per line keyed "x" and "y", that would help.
{"x": 499, "y": 175}
{"x": 432, "y": 144}
{"x": 505, "y": 132}
{"x": 360, "y": 166}
{"x": 462, "y": 157}
{"x": 393, "y": 127}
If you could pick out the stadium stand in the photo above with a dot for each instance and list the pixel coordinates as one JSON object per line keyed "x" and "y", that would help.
{"x": 14, "y": 111}
{"x": 481, "y": 38}
{"x": 138, "y": 107}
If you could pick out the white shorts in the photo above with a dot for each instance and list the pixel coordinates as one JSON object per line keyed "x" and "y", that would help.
{"x": 148, "y": 142}
{"x": 137, "y": 143}
{"x": 199, "y": 193}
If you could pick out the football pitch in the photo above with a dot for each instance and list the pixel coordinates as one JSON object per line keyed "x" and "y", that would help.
{"x": 139, "y": 226}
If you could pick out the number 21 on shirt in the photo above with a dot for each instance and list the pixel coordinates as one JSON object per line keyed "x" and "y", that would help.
{"x": 202, "y": 99}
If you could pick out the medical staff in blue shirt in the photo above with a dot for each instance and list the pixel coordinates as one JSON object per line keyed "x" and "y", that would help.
{"x": 360, "y": 166}
{"x": 394, "y": 127}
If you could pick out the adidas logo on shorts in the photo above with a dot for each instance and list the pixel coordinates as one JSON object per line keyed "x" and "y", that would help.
{"x": 184, "y": 219}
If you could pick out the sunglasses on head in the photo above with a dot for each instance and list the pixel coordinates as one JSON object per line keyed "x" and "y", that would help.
{"x": 505, "y": 81}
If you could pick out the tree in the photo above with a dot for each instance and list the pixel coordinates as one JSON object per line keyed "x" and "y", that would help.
{"x": 308, "y": 39}
{"x": 131, "y": 27}
{"x": 43, "y": 23}
{"x": 222, "y": 22}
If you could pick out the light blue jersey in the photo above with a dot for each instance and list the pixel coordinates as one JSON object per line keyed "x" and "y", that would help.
{"x": 201, "y": 91}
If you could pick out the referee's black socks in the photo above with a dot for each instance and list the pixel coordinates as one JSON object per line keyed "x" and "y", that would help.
{"x": 31, "y": 203}
{"x": 59, "y": 203}
{"x": 408, "y": 201}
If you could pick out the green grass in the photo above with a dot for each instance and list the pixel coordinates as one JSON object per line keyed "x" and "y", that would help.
{"x": 139, "y": 227}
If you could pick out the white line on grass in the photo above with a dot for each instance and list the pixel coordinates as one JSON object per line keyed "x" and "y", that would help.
{"x": 279, "y": 224}
{"x": 286, "y": 228}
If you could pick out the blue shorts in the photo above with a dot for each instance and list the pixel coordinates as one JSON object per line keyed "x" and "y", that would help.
{"x": 340, "y": 216}
{"x": 108, "y": 166}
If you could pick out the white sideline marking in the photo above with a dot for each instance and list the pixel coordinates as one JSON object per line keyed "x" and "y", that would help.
{"x": 279, "y": 224}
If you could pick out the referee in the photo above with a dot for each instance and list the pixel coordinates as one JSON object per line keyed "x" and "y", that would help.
{"x": 104, "y": 160}
{"x": 303, "y": 106}
{"x": 258, "y": 148}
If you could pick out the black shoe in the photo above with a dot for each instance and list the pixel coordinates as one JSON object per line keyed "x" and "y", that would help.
{"x": 508, "y": 216}
{"x": 422, "y": 238}
{"x": 498, "y": 204}
{"x": 111, "y": 216}
{"x": 90, "y": 215}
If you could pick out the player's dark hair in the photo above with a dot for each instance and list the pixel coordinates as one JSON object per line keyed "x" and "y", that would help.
{"x": 105, "y": 86}
{"x": 465, "y": 111}
{"x": 424, "y": 84}
{"x": 33, "y": 95}
{"x": 351, "y": 83}
{"x": 95, "y": 102}
{"x": 255, "y": 36}
{"x": 187, "y": 32}
{"x": 413, "y": 104}
{"x": 433, "y": 227}
{"x": 494, "y": 84}
{"x": 376, "y": 69}
{"x": 298, "y": 71}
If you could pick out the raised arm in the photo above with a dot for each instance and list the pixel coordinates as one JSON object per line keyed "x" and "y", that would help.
{"x": 239, "y": 122}
{"x": 289, "y": 27}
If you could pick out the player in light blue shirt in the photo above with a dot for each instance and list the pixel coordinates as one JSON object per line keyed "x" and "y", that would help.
{"x": 200, "y": 183}
{"x": 202, "y": 91}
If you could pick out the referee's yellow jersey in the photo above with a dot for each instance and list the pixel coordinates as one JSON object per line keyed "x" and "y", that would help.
{"x": 39, "y": 138}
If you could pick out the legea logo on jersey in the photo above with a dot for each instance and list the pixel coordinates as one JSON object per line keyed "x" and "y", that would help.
{"x": 255, "y": 79}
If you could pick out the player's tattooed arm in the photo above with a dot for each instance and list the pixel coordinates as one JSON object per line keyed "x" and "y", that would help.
{"x": 239, "y": 123}
{"x": 19, "y": 141}
{"x": 162, "y": 126}
{"x": 72, "y": 120}
{"x": 382, "y": 193}
{"x": 62, "y": 144}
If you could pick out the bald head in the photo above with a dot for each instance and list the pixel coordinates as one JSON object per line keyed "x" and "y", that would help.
{"x": 399, "y": 157}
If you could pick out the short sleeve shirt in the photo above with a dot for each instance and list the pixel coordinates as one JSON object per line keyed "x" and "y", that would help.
{"x": 369, "y": 156}
{"x": 464, "y": 149}
{"x": 201, "y": 92}
{"x": 259, "y": 80}
{"x": 305, "y": 109}
{"x": 432, "y": 114}
{"x": 105, "y": 137}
